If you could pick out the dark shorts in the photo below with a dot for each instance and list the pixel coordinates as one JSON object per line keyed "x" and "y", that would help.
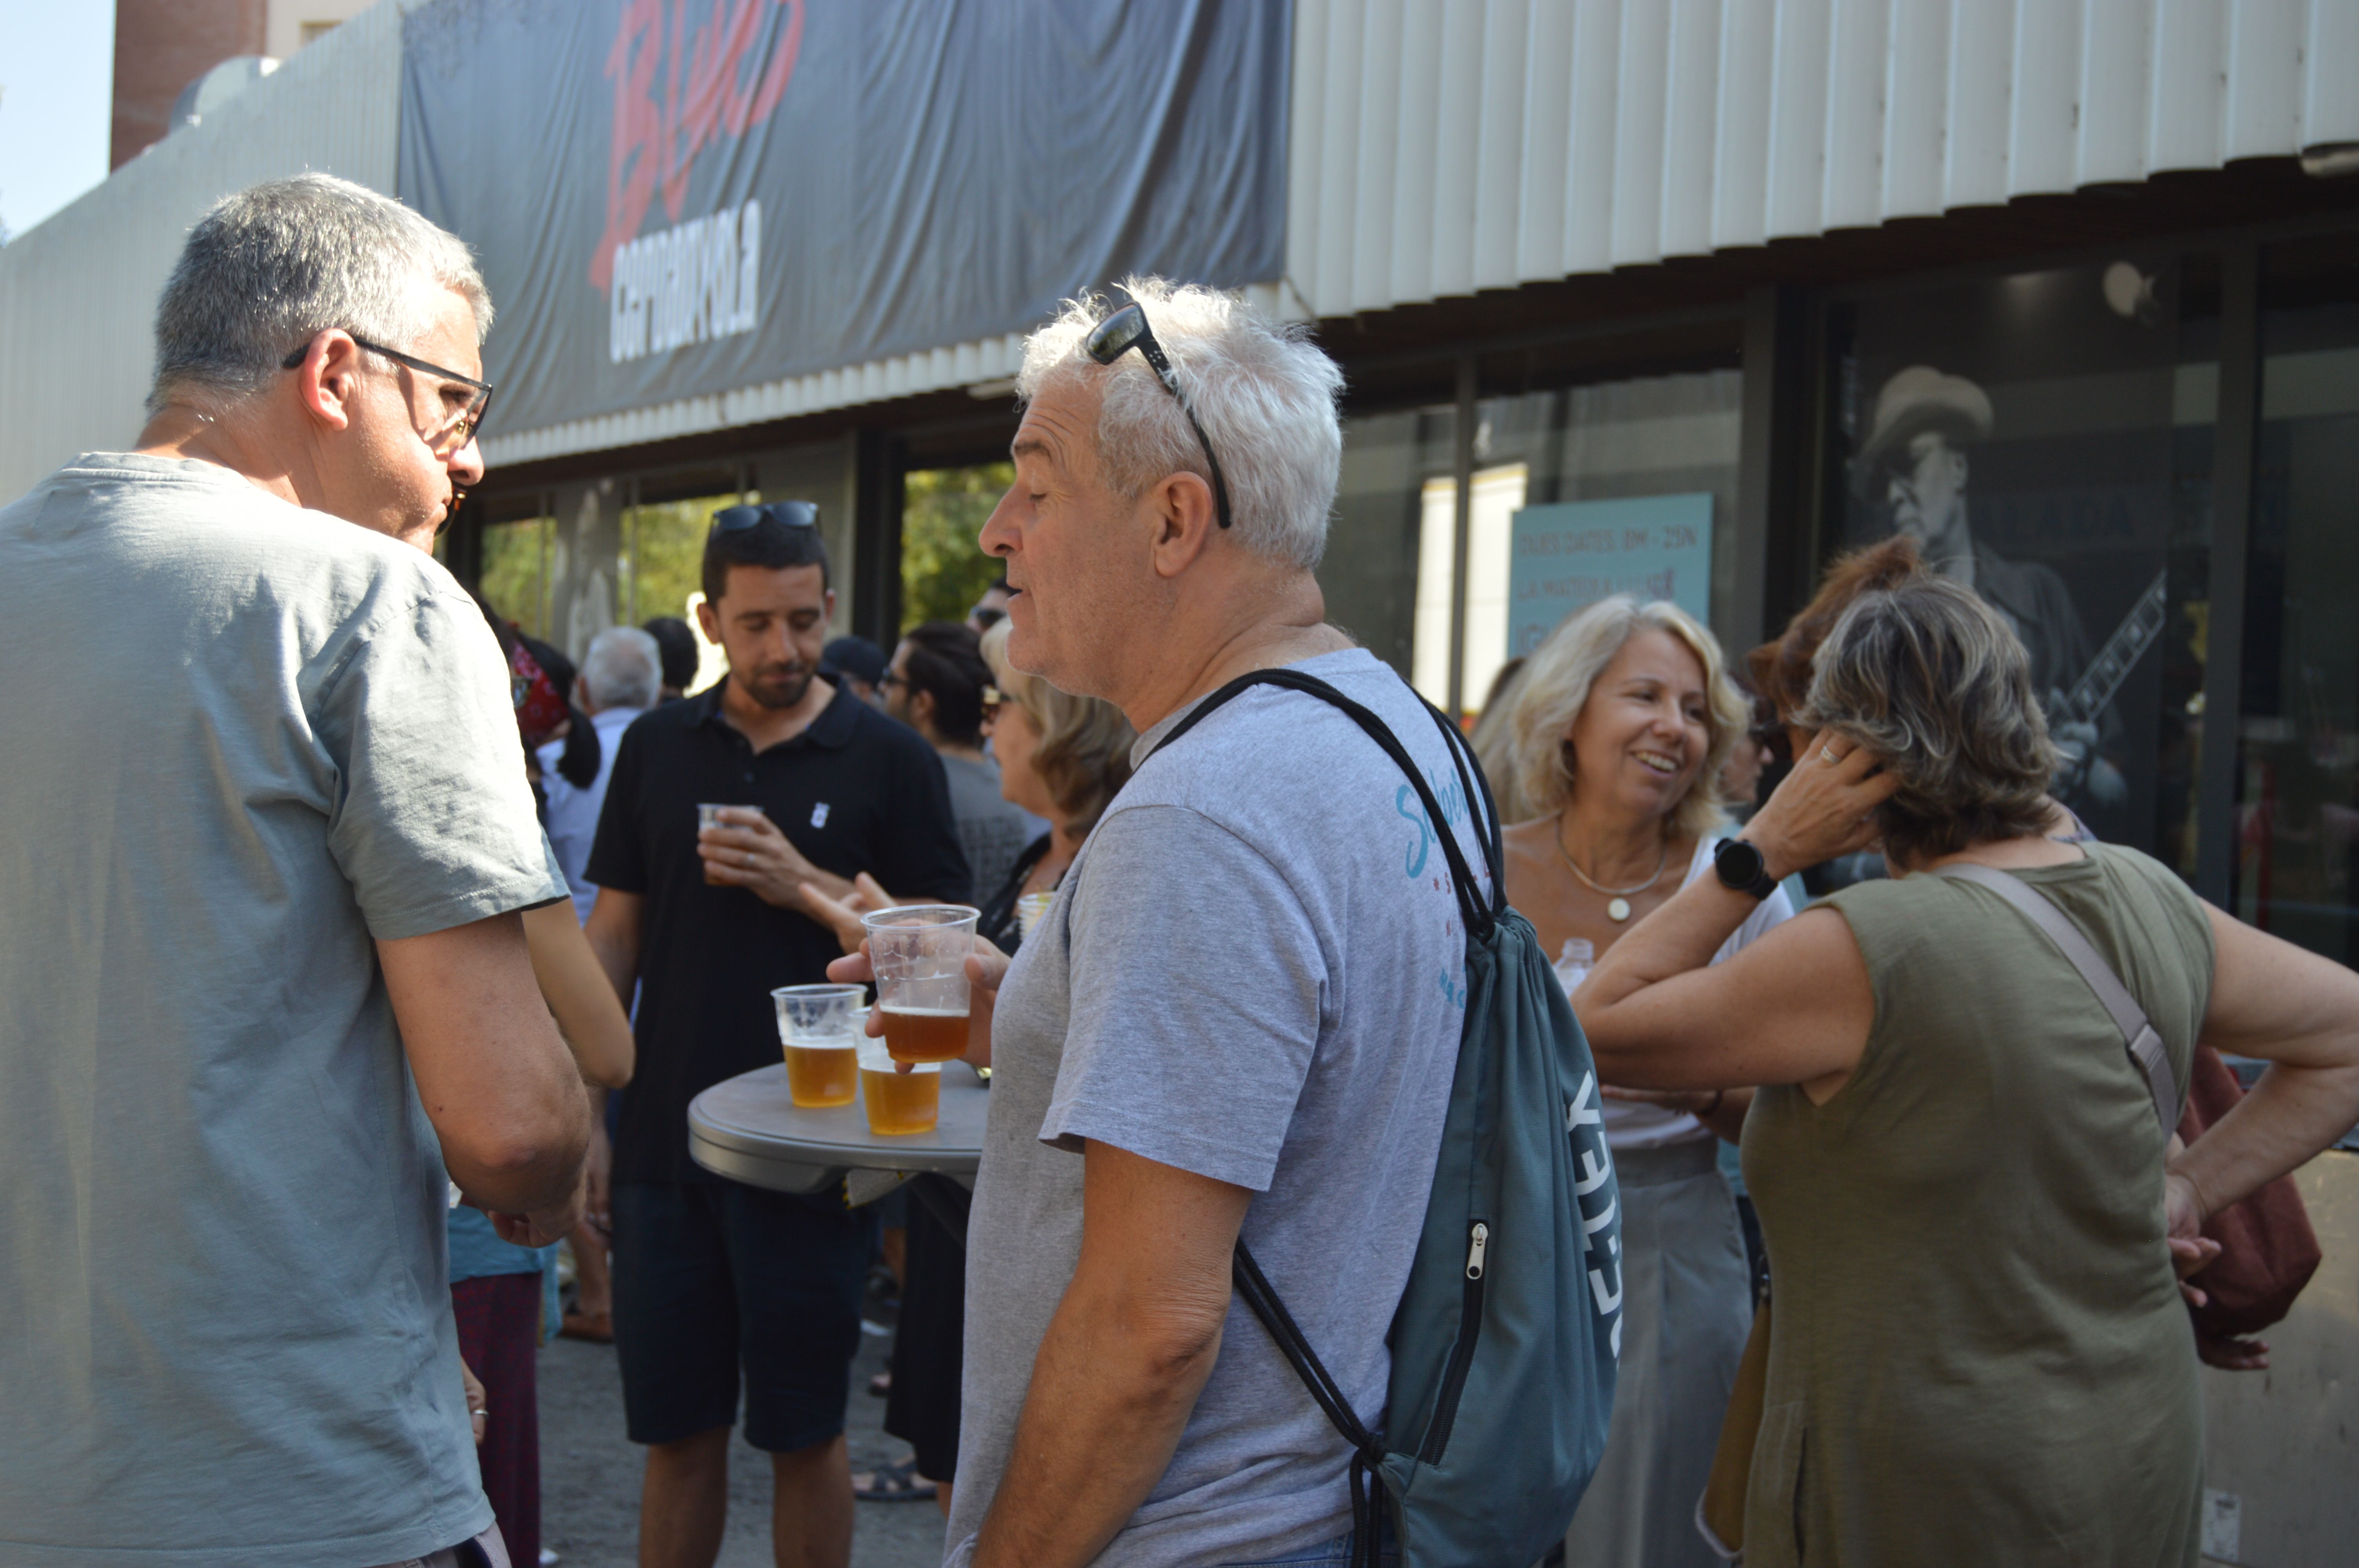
{"x": 713, "y": 1276}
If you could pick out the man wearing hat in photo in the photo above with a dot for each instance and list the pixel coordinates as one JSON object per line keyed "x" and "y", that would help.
{"x": 1915, "y": 451}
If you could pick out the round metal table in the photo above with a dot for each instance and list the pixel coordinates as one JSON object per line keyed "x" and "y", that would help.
{"x": 748, "y": 1129}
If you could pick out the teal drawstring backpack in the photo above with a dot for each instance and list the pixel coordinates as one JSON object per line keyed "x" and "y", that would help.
{"x": 1505, "y": 1340}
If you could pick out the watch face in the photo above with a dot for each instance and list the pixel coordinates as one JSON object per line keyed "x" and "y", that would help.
{"x": 1738, "y": 863}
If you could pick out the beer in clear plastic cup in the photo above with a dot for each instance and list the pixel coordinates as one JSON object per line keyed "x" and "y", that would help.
{"x": 898, "y": 1102}
{"x": 816, "y": 1027}
{"x": 919, "y": 953}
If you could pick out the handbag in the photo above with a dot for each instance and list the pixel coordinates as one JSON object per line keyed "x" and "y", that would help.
{"x": 2268, "y": 1249}
{"x": 1720, "y": 1512}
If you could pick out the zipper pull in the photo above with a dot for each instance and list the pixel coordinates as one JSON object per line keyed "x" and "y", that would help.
{"x": 1475, "y": 1252}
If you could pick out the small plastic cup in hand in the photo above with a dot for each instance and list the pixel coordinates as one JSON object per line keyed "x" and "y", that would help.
{"x": 710, "y": 817}
{"x": 1030, "y": 910}
{"x": 898, "y": 1100}
{"x": 918, "y": 952}
{"x": 816, "y": 1027}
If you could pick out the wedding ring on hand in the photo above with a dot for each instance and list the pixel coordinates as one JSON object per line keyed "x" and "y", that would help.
{"x": 1827, "y": 756}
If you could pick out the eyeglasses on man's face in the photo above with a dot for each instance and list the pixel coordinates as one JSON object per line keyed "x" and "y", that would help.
{"x": 463, "y": 416}
{"x": 793, "y": 513}
{"x": 1127, "y": 330}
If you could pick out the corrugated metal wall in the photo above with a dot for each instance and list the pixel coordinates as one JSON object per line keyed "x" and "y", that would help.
{"x": 1441, "y": 147}
{"x": 78, "y": 292}
{"x": 1437, "y": 147}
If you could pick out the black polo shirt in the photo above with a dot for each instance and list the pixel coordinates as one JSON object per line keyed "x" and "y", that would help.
{"x": 855, "y": 792}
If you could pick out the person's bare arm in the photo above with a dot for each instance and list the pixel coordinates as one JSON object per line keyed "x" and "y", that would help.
{"x": 1124, "y": 1358}
{"x": 578, "y": 993}
{"x": 494, "y": 1075}
{"x": 2271, "y": 999}
{"x": 1794, "y": 1007}
{"x": 612, "y": 932}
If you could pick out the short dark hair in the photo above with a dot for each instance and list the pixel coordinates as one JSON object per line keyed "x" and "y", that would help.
{"x": 945, "y": 660}
{"x": 676, "y": 647}
{"x": 769, "y": 544}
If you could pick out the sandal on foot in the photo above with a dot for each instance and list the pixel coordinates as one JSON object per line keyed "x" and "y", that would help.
{"x": 893, "y": 1484}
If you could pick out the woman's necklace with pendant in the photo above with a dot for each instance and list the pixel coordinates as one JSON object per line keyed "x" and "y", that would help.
{"x": 1617, "y": 899}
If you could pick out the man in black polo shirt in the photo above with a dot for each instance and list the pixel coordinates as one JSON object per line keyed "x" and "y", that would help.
{"x": 710, "y": 1275}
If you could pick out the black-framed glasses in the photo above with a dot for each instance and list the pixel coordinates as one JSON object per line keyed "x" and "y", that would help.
{"x": 1127, "y": 330}
{"x": 793, "y": 513}
{"x": 448, "y": 438}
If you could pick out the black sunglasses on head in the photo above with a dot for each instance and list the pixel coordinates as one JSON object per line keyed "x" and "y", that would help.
{"x": 793, "y": 513}
{"x": 1127, "y": 330}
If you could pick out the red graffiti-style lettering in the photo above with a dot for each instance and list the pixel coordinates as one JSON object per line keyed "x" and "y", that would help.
{"x": 673, "y": 96}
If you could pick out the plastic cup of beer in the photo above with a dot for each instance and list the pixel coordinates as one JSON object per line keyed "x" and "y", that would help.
{"x": 1030, "y": 910}
{"x": 899, "y": 1099}
{"x": 818, "y": 1026}
{"x": 710, "y": 817}
{"x": 918, "y": 952}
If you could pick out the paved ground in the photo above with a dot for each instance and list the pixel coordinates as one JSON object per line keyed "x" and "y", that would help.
{"x": 590, "y": 1474}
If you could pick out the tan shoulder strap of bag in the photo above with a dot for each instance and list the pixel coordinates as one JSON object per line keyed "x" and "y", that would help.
{"x": 2146, "y": 1047}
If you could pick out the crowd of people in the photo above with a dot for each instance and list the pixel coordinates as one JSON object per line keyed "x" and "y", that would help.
{"x": 321, "y": 981}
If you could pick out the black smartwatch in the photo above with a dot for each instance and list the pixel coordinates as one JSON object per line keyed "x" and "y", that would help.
{"x": 1742, "y": 869}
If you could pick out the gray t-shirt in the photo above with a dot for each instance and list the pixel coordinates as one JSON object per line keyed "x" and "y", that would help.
{"x": 1254, "y": 972}
{"x": 992, "y": 830}
{"x": 244, "y": 740}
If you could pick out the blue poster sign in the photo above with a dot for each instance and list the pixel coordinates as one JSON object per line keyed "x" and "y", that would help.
{"x": 1570, "y": 555}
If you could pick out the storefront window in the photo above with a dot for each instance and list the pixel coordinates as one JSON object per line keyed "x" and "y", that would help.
{"x": 2044, "y": 436}
{"x": 663, "y": 555}
{"x": 1390, "y": 569}
{"x": 1378, "y": 587}
{"x": 516, "y": 576}
{"x": 2299, "y": 816}
{"x": 944, "y": 569}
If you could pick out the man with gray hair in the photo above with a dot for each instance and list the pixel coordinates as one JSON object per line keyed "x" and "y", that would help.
{"x": 621, "y": 678}
{"x": 262, "y": 964}
{"x": 1241, "y": 1015}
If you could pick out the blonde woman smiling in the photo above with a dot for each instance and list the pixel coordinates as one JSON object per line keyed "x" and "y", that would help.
{"x": 1624, "y": 720}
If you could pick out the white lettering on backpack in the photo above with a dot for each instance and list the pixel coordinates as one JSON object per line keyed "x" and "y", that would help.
{"x": 1584, "y": 1121}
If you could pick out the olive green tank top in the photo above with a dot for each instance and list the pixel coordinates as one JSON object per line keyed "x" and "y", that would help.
{"x": 1978, "y": 1352}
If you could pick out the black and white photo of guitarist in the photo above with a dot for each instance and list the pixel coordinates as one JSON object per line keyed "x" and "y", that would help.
{"x": 1916, "y": 453}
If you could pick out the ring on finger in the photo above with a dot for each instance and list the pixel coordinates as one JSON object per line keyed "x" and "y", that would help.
{"x": 1827, "y": 756}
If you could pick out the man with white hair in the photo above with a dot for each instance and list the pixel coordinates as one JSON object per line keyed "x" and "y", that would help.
{"x": 1243, "y": 1014}
{"x": 263, "y": 974}
{"x": 621, "y": 678}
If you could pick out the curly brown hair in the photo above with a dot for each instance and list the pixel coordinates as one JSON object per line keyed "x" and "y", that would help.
{"x": 1781, "y": 669}
{"x": 1929, "y": 678}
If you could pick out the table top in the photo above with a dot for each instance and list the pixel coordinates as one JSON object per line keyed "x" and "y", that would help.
{"x": 748, "y": 1129}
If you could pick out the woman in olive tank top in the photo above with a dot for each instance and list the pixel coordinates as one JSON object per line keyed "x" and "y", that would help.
{"x": 1976, "y": 1230}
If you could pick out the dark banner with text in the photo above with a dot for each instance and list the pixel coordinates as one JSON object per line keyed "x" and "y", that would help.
{"x": 675, "y": 197}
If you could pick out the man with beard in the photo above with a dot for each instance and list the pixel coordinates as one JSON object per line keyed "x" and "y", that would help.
{"x": 710, "y": 1275}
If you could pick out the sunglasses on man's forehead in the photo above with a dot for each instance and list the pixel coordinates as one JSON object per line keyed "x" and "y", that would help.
{"x": 793, "y": 513}
{"x": 1127, "y": 330}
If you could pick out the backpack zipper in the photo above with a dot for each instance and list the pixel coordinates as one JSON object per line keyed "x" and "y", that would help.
{"x": 1462, "y": 1355}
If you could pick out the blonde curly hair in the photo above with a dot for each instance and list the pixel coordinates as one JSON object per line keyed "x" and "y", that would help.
{"x": 1556, "y": 684}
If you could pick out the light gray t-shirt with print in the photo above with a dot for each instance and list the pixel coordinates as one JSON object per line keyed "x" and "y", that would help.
{"x": 243, "y": 740}
{"x": 1254, "y": 972}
